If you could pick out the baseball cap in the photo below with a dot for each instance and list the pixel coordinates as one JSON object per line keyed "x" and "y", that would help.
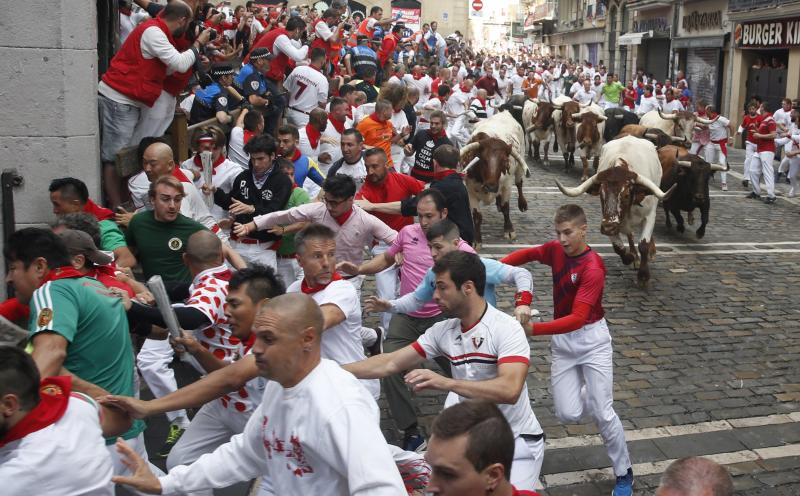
{"x": 218, "y": 71}
{"x": 80, "y": 243}
{"x": 260, "y": 53}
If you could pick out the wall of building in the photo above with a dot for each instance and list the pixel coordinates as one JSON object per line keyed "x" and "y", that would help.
{"x": 48, "y": 93}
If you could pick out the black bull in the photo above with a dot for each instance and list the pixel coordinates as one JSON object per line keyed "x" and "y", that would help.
{"x": 617, "y": 118}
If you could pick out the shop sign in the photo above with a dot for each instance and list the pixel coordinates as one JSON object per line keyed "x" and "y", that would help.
{"x": 702, "y": 21}
{"x": 410, "y": 17}
{"x": 780, "y": 33}
{"x": 656, "y": 24}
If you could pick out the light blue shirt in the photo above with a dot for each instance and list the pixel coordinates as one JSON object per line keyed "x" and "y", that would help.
{"x": 496, "y": 273}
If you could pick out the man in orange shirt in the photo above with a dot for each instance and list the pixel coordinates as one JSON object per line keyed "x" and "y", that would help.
{"x": 378, "y": 130}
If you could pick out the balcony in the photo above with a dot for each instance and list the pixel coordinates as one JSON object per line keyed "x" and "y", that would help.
{"x": 543, "y": 12}
{"x": 744, "y": 5}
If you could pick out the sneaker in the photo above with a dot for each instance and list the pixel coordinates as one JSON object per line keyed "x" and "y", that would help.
{"x": 787, "y": 180}
{"x": 770, "y": 200}
{"x": 724, "y": 187}
{"x": 753, "y": 196}
{"x": 745, "y": 183}
{"x": 415, "y": 443}
{"x": 377, "y": 347}
{"x": 175, "y": 433}
{"x": 624, "y": 485}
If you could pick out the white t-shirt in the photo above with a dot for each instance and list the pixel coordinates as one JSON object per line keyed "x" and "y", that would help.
{"x": 222, "y": 178}
{"x": 516, "y": 84}
{"x": 422, "y": 84}
{"x": 399, "y": 121}
{"x": 342, "y": 342}
{"x": 67, "y": 458}
{"x": 358, "y": 171}
{"x": 647, "y": 104}
{"x": 475, "y": 354}
{"x": 335, "y": 151}
{"x": 718, "y": 129}
{"x": 307, "y": 88}
{"x": 574, "y": 88}
{"x": 782, "y": 117}
{"x": 207, "y": 293}
{"x": 319, "y": 437}
{"x": 585, "y": 97}
{"x": 236, "y": 151}
{"x": 673, "y": 106}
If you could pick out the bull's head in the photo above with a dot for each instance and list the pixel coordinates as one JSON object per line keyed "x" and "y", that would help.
{"x": 543, "y": 117}
{"x": 569, "y": 109}
{"x": 619, "y": 189}
{"x": 493, "y": 156}
{"x": 588, "y": 134}
{"x": 683, "y": 123}
{"x": 694, "y": 173}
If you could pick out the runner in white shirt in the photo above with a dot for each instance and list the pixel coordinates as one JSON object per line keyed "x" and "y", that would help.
{"x": 60, "y": 454}
{"x": 421, "y": 81}
{"x": 245, "y": 128}
{"x": 338, "y": 298}
{"x": 488, "y": 352}
{"x": 315, "y": 432}
{"x": 456, "y": 109}
{"x": 716, "y": 152}
{"x": 330, "y": 149}
{"x": 585, "y": 95}
{"x": 783, "y": 119}
{"x": 307, "y": 88}
{"x": 671, "y": 104}
{"x": 648, "y": 102}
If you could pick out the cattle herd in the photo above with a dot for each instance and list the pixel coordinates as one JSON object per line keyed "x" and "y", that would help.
{"x": 636, "y": 162}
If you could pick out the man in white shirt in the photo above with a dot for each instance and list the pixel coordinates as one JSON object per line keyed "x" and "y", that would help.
{"x": 671, "y": 104}
{"x": 307, "y": 88}
{"x": 586, "y": 95}
{"x": 351, "y": 162}
{"x": 330, "y": 149}
{"x": 422, "y": 82}
{"x": 783, "y": 120}
{"x": 648, "y": 102}
{"x": 436, "y": 42}
{"x": 456, "y": 109}
{"x": 315, "y": 432}
{"x": 489, "y": 356}
{"x": 716, "y": 152}
{"x": 504, "y": 85}
{"x": 576, "y": 86}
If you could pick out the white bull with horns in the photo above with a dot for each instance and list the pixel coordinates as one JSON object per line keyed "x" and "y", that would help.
{"x": 495, "y": 162}
{"x": 627, "y": 181}
{"x": 679, "y": 123}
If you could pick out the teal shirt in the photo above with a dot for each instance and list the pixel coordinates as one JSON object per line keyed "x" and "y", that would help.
{"x": 111, "y": 236}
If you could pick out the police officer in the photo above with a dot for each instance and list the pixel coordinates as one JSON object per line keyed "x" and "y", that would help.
{"x": 253, "y": 86}
{"x": 214, "y": 100}
{"x": 361, "y": 57}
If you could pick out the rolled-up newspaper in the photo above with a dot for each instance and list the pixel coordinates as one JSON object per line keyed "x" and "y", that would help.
{"x": 208, "y": 172}
{"x": 10, "y": 333}
{"x": 156, "y": 286}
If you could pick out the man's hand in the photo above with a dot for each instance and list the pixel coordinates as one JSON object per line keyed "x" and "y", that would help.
{"x": 408, "y": 149}
{"x": 122, "y": 217}
{"x": 365, "y": 204}
{"x": 421, "y": 379}
{"x": 208, "y": 190}
{"x": 135, "y": 407}
{"x": 523, "y": 314}
{"x": 348, "y": 268}
{"x": 239, "y": 208}
{"x": 398, "y": 259}
{"x": 204, "y": 37}
{"x": 142, "y": 479}
{"x": 329, "y": 140}
{"x": 146, "y": 297}
{"x": 373, "y": 304}
{"x": 324, "y": 157}
{"x": 122, "y": 295}
{"x": 242, "y": 230}
{"x": 188, "y": 341}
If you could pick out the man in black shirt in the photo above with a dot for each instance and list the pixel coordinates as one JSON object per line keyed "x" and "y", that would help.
{"x": 424, "y": 143}
{"x": 259, "y": 190}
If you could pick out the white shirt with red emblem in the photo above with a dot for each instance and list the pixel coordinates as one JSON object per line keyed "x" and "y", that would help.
{"x": 67, "y": 458}
{"x": 475, "y": 354}
{"x": 342, "y": 342}
{"x": 320, "y": 436}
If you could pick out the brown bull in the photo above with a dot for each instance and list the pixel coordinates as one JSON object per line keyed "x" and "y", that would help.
{"x": 541, "y": 127}
{"x": 565, "y": 131}
{"x": 652, "y": 134}
{"x": 589, "y": 136}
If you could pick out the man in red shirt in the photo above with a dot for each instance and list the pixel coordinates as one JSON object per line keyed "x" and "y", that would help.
{"x": 488, "y": 82}
{"x": 767, "y": 131}
{"x": 388, "y": 47}
{"x": 383, "y": 186}
{"x": 581, "y": 372}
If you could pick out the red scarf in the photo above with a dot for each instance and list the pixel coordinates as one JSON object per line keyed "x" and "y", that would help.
{"x": 296, "y": 155}
{"x": 313, "y": 135}
{"x": 305, "y": 288}
{"x": 441, "y": 134}
{"x": 337, "y": 124}
{"x": 179, "y": 175}
{"x": 482, "y": 102}
{"x": 447, "y": 172}
{"x": 248, "y": 135}
{"x": 350, "y": 112}
{"x": 97, "y": 211}
{"x": 54, "y": 395}
{"x": 375, "y": 118}
{"x": 198, "y": 162}
{"x": 463, "y": 88}
{"x": 343, "y": 218}
{"x": 417, "y": 77}
{"x": 66, "y": 272}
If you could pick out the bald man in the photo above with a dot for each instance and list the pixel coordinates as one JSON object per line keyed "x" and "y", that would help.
{"x": 315, "y": 432}
{"x": 695, "y": 476}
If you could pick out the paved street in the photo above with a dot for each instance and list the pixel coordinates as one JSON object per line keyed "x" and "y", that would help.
{"x": 706, "y": 358}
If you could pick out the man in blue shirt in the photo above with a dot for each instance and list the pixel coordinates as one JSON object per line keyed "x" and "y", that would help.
{"x": 214, "y": 100}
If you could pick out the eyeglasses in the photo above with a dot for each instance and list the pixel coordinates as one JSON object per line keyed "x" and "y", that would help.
{"x": 333, "y": 203}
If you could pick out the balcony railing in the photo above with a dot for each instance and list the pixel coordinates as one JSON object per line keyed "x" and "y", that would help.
{"x": 743, "y": 5}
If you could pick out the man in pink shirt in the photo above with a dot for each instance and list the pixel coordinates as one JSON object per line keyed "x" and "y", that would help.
{"x": 405, "y": 329}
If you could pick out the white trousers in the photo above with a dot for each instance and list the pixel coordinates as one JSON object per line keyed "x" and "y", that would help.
{"x": 257, "y": 253}
{"x": 762, "y": 165}
{"x": 794, "y": 169}
{"x": 714, "y": 155}
{"x": 527, "y": 464}
{"x": 295, "y": 118}
{"x": 154, "y": 121}
{"x": 749, "y": 152}
{"x": 784, "y": 165}
{"x": 289, "y": 270}
{"x": 386, "y": 282}
{"x": 153, "y": 361}
{"x": 582, "y": 359}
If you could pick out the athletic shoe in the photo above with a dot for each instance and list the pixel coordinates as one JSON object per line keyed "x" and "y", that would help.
{"x": 745, "y": 183}
{"x": 175, "y": 433}
{"x": 753, "y": 196}
{"x": 624, "y": 485}
{"x": 415, "y": 443}
{"x": 770, "y": 200}
{"x": 787, "y": 180}
{"x": 377, "y": 347}
{"x": 724, "y": 187}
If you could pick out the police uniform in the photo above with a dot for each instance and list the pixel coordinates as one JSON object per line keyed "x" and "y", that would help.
{"x": 362, "y": 57}
{"x": 211, "y": 99}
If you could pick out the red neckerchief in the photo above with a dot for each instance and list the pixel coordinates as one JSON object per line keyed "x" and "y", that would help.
{"x": 198, "y": 162}
{"x": 343, "y": 218}
{"x": 350, "y": 112}
{"x": 248, "y": 135}
{"x": 445, "y": 173}
{"x": 305, "y": 288}
{"x": 441, "y": 134}
{"x": 442, "y": 99}
{"x": 463, "y": 88}
{"x": 296, "y": 155}
{"x": 249, "y": 342}
{"x": 97, "y": 211}
{"x": 375, "y": 118}
{"x": 66, "y": 272}
{"x": 337, "y": 124}
{"x": 313, "y": 135}
{"x": 54, "y": 398}
{"x": 482, "y": 101}
{"x": 125, "y": 11}
{"x": 417, "y": 77}
{"x": 179, "y": 175}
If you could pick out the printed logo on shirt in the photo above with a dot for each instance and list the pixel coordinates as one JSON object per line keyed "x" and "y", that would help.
{"x": 45, "y": 317}
{"x": 429, "y": 143}
{"x": 175, "y": 244}
{"x": 573, "y": 277}
{"x": 266, "y": 194}
{"x": 223, "y": 101}
{"x": 254, "y": 84}
{"x": 51, "y": 389}
{"x": 477, "y": 341}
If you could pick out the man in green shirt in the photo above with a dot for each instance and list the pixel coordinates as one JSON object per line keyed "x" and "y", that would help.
{"x": 288, "y": 268}
{"x": 160, "y": 235}
{"x": 69, "y": 195}
{"x": 77, "y": 326}
{"x": 612, "y": 91}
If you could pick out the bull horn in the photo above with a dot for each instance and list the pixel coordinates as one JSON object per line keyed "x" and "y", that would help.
{"x": 602, "y": 117}
{"x": 702, "y": 120}
{"x": 530, "y": 129}
{"x": 685, "y": 163}
{"x": 468, "y": 148}
{"x": 519, "y": 159}
{"x": 719, "y": 167}
{"x": 470, "y": 164}
{"x": 576, "y": 115}
{"x": 647, "y": 183}
{"x": 516, "y": 107}
{"x": 678, "y": 139}
{"x": 669, "y": 117}
{"x": 578, "y": 190}
{"x": 619, "y": 116}
{"x": 581, "y": 105}
{"x": 651, "y": 135}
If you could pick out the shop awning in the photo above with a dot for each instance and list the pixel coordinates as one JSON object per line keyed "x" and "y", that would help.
{"x": 699, "y": 42}
{"x": 634, "y": 38}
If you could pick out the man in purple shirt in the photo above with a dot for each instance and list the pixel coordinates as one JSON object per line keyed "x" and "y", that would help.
{"x": 405, "y": 329}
